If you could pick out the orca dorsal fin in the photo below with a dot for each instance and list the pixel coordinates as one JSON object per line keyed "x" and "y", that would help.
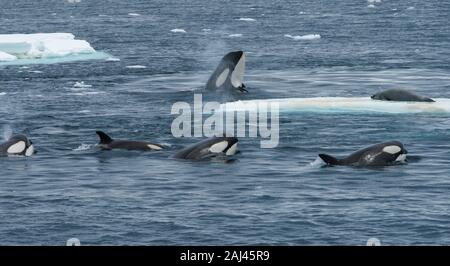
{"x": 104, "y": 138}
{"x": 328, "y": 159}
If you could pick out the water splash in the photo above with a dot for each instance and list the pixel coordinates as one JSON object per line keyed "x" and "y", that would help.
{"x": 7, "y": 132}
{"x": 317, "y": 163}
{"x": 84, "y": 147}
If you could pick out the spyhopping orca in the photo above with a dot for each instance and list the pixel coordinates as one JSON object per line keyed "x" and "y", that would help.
{"x": 229, "y": 74}
{"x": 17, "y": 145}
{"x": 208, "y": 148}
{"x": 400, "y": 95}
{"x": 107, "y": 143}
{"x": 382, "y": 154}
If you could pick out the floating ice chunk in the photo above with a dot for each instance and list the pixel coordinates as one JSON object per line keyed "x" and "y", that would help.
{"x": 25, "y": 47}
{"x": 237, "y": 35}
{"x": 341, "y": 104}
{"x": 74, "y": 1}
{"x": 178, "y": 31}
{"x": 112, "y": 59}
{"x": 411, "y": 8}
{"x": 136, "y": 67}
{"x": 304, "y": 37}
{"x": 134, "y": 14}
{"x": 247, "y": 19}
{"x": 371, "y": 6}
{"x": 7, "y": 57}
{"x": 374, "y": 1}
{"x": 2, "y": 93}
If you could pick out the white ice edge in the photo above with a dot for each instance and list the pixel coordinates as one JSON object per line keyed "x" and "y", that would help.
{"x": 303, "y": 37}
{"x": 340, "y": 104}
{"x": 41, "y": 46}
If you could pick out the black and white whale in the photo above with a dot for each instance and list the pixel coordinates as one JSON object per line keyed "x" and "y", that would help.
{"x": 209, "y": 148}
{"x": 400, "y": 95}
{"x": 107, "y": 143}
{"x": 17, "y": 145}
{"x": 229, "y": 74}
{"x": 383, "y": 154}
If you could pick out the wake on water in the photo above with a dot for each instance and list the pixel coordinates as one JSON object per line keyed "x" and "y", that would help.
{"x": 341, "y": 104}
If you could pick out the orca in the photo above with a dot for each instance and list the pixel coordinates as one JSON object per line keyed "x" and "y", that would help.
{"x": 229, "y": 74}
{"x": 107, "y": 143}
{"x": 400, "y": 96}
{"x": 209, "y": 148}
{"x": 17, "y": 145}
{"x": 382, "y": 154}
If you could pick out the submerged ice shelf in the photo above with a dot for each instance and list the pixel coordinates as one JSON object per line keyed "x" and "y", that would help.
{"x": 45, "y": 48}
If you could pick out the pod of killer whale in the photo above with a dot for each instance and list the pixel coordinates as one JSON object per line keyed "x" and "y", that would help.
{"x": 228, "y": 78}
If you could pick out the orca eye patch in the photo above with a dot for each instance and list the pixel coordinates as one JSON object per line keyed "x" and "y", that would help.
{"x": 18, "y": 147}
{"x": 219, "y": 147}
{"x": 392, "y": 149}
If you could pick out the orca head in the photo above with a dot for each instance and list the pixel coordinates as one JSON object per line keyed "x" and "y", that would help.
{"x": 20, "y": 145}
{"x": 395, "y": 150}
{"x": 229, "y": 74}
{"x": 224, "y": 145}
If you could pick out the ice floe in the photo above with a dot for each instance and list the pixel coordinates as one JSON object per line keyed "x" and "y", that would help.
{"x": 112, "y": 59}
{"x": 303, "y": 37}
{"x": 136, "y": 67}
{"x": 44, "y": 48}
{"x": 247, "y": 19}
{"x": 6, "y": 57}
{"x": 237, "y": 35}
{"x": 341, "y": 104}
{"x": 134, "y": 14}
{"x": 178, "y": 30}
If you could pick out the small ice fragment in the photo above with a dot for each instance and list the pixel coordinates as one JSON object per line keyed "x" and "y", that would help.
{"x": 178, "y": 31}
{"x": 304, "y": 37}
{"x": 136, "y": 67}
{"x": 247, "y": 19}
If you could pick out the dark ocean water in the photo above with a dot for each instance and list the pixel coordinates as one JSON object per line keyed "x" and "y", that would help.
{"x": 266, "y": 196}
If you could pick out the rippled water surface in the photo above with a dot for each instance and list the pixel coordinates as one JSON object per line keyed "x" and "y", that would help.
{"x": 265, "y": 196}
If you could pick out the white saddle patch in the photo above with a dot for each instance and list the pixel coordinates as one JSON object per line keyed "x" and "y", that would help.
{"x": 219, "y": 147}
{"x": 232, "y": 150}
{"x": 19, "y": 147}
{"x": 222, "y": 77}
{"x": 30, "y": 151}
{"x": 154, "y": 147}
{"x": 392, "y": 149}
